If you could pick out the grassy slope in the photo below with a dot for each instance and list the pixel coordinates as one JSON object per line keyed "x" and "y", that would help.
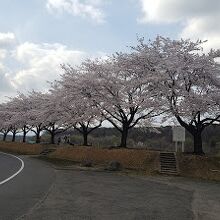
{"x": 21, "y": 148}
{"x": 129, "y": 158}
{"x": 199, "y": 167}
{"x": 142, "y": 160}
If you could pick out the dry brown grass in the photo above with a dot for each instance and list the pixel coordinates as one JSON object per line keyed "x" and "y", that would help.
{"x": 21, "y": 148}
{"x": 129, "y": 158}
{"x": 140, "y": 160}
{"x": 199, "y": 167}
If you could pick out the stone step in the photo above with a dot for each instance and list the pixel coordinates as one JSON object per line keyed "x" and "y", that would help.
{"x": 168, "y": 163}
{"x": 169, "y": 173}
{"x": 167, "y": 154}
{"x": 168, "y": 160}
{"x": 164, "y": 156}
{"x": 168, "y": 168}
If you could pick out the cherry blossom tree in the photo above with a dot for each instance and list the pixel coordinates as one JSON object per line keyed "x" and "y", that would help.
{"x": 14, "y": 130}
{"x": 5, "y": 132}
{"x": 4, "y": 121}
{"x": 171, "y": 77}
{"x": 81, "y": 113}
{"x": 189, "y": 82}
{"x": 10, "y": 122}
{"x": 20, "y": 107}
{"x": 25, "y": 113}
{"x": 118, "y": 86}
{"x": 52, "y": 115}
{"x": 36, "y": 119}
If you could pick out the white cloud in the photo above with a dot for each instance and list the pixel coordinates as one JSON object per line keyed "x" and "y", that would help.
{"x": 6, "y": 39}
{"x": 205, "y": 28}
{"x": 41, "y": 63}
{"x": 199, "y": 19}
{"x": 6, "y": 87}
{"x": 28, "y": 66}
{"x": 3, "y": 54}
{"x": 87, "y": 9}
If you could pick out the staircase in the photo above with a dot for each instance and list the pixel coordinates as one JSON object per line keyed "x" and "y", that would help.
{"x": 168, "y": 163}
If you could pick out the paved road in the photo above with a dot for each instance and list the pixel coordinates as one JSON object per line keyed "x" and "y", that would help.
{"x": 21, "y": 193}
{"x": 89, "y": 195}
{"x": 9, "y": 165}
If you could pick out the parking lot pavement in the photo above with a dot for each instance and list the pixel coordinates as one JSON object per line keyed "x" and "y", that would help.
{"x": 106, "y": 196}
{"x": 206, "y": 195}
{"x": 44, "y": 192}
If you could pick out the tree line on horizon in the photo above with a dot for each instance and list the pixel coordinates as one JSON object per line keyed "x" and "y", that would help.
{"x": 165, "y": 78}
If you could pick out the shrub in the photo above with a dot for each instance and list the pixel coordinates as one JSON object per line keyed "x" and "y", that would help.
{"x": 114, "y": 166}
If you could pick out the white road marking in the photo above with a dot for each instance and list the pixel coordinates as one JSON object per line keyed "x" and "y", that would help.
{"x": 15, "y": 174}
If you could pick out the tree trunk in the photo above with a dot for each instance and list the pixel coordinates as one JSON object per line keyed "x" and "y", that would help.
{"x": 52, "y": 137}
{"x": 38, "y": 137}
{"x": 85, "y": 138}
{"x": 24, "y": 136}
{"x": 198, "y": 143}
{"x": 24, "y": 133}
{"x": 4, "y": 136}
{"x": 124, "y": 136}
{"x": 13, "y": 136}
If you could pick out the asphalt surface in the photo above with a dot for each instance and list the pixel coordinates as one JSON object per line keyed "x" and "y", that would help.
{"x": 41, "y": 192}
{"x": 8, "y": 166}
{"x": 106, "y": 196}
{"x": 21, "y": 193}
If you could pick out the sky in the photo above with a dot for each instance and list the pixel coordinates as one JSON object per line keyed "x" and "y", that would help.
{"x": 36, "y": 36}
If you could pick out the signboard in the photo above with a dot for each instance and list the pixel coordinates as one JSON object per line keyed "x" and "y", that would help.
{"x": 178, "y": 134}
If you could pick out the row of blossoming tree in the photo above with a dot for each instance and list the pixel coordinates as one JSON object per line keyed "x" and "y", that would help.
{"x": 165, "y": 78}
